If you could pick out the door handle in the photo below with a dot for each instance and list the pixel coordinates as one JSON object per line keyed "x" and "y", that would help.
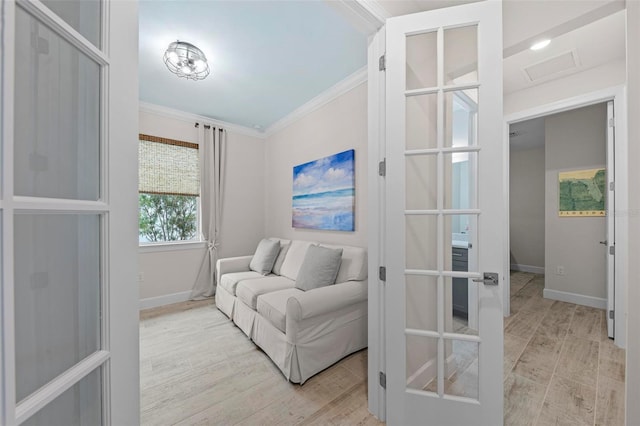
{"x": 603, "y": 242}
{"x": 489, "y": 278}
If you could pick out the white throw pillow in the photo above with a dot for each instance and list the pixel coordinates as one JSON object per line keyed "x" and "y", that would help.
{"x": 319, "y": 268}
{"x": 265, "y": 256}
{"x": 284, "y": 248}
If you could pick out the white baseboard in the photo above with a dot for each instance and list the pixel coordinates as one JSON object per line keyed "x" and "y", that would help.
{"x": 167, "y": 299}
{"x": 428, "y": 372}
{"x": 527, "y": 268}
{"x": 578, "y": 299}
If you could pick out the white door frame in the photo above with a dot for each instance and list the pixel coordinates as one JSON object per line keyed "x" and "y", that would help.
{"x": 616, "y": 94}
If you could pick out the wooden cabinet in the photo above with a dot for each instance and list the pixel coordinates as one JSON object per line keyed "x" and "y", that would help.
{"x": 460, "y": 287}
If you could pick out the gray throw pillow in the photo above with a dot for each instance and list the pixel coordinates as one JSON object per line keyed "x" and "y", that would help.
{"x": 319, "y": 268}
{"x": 265, "y": 256}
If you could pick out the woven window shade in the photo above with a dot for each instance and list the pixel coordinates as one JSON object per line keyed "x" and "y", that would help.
{"x": 168, "y": 167}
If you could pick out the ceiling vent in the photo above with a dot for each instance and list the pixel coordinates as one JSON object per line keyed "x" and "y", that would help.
{"x": 561, "y": 64}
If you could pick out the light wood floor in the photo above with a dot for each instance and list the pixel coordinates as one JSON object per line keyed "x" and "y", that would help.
{"x": 197, "y": 368}
{"x": 560, "y": 367}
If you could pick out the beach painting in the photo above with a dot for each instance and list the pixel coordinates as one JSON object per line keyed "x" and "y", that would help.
{"x": 324, "y": 193}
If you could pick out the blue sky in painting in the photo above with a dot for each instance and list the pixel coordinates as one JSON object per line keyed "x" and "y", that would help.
{"x": 326, "y": 174}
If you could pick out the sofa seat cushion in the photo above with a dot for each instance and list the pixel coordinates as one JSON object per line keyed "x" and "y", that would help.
{"x": 249, "y": 290}
{"x": 230, "y": 281}
{"x": 273, "y": 306}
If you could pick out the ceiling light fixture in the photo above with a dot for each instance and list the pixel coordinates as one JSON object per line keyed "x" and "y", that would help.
{"x": 540, "y": 44}
{"x": 185, "y": 60}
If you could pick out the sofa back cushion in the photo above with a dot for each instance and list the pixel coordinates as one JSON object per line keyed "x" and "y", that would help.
{"x": 354, "y": 263}
{"x": 265, "y": 256}
{"x": 284, "y": 248}
{"x": 319, "y": 269}
{"x": 294, "y": 258}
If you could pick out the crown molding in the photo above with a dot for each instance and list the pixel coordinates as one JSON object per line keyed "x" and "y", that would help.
{"x": 187, "y": 116}
{"x": 339, "y": 89}
{"x": 365, "y": 15}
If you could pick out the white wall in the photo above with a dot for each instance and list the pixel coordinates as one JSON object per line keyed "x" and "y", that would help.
{"x": 165, "y": 273}
{"x": 574, "y": 140}
{"x": 338, "y": 126}
{"x": 526, "y": 203}
{"x": 602, "y": 77}
{"x": 633, "y": 335}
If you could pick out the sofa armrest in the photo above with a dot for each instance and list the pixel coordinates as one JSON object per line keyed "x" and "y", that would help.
{"x": 325, "y": 300}
{"x": 232, "y": 264}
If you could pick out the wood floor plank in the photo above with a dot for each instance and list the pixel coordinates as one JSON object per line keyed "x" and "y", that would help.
{"x": 572, "y": 398}
{"x": 579, "y": 360}
{"x": 522, "y": 400}
{"x": 513, "y": 347}
{"x": 538, "y": 360}
{"x": 586, "y": 323}
{"x": 524, "y": 323}
{"x": 610, "y": 403}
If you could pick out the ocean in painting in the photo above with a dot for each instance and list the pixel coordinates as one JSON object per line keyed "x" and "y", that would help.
{"x": 324, "y": 193}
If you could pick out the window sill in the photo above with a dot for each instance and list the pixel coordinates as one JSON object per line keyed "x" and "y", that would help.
{"x": 182, "y": 245}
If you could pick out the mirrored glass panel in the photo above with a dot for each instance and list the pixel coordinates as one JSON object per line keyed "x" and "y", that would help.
{"x": 421, "y": 182}
{"x": 421, "y": 122}
{"x": 461, "y": 306}
{"x": 57, "y": 295}
{"x": 421, "y": 302}
{"x": 460, "y": 171}
{"x": 460, "y": 118}
{"x": 461, "y": 368}
{"x": 422, "y": 363}
{"x": 80, "y": 405}
{"x": 84, "y": 16}
{"x": 421, "y": 251}
{"x": 461, "y": 55}
{"x": 57, "y": 115}
{"x": 422, "y": 64}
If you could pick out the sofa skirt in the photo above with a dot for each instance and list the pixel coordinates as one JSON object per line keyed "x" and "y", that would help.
{"x": 243, "y": 317}
{"x": 319, "y": 344}
{"x": 225, "y": 301}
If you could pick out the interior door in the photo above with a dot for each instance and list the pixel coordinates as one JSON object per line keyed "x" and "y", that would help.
{"x": 69, "y": 299}
{"x": 444, "y": 184}
{"x": 611, "y": 239}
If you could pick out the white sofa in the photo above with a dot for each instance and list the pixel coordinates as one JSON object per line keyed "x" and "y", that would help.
{"x": 303, "y": 332}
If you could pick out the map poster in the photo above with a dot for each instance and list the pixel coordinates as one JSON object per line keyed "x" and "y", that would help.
{"x": 582, "y": 193}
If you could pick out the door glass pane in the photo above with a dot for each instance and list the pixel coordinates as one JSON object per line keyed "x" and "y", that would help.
{"x": 460, "y": 118}
{"x": 80, "y": 405}
{"x": 57, "y": 295}
{"x": 461, "y": 55}
{"x": 57, "y": 115}
{"x": 421, "y": 120}
{"x": 84, "y": 16}
{"x": 460, "y": 181}
{"x": 421, "y": 189}
{"x": 421, "y": 302}
{"x": 422, "y": 66}
{"x": 459, "y": 315}
{"x": 422, "y": 365}
{"x": 421, "y": 241}
{"x": 461, "y": 368}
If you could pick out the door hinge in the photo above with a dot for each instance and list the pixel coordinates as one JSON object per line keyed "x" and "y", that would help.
{"x": 382, "y": 273}
{"x": 612, "y": 186}
{"x": 383, "y": 380}
{"x": 382, "y": 63}
{"x": 612, "y": 315}
{"x": 382, "y": 167}
{"x": 612, "y": 250}
{"x": 612, "y": 122}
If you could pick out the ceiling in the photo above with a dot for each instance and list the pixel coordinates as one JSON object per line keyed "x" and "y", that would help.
{"x": 270, "y": 57}
{"x": 267, "y": 58}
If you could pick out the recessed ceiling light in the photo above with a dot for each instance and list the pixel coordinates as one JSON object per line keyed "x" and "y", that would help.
{"x": 540, "y": 44}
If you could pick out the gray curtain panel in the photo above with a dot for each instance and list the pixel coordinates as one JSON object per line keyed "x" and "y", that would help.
{"x": 213, "y": 171}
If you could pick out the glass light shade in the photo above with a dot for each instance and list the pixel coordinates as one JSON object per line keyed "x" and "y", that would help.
{"x": 186, "y": 60}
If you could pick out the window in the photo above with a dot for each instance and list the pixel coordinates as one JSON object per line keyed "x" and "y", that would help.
{"x": 169, "y": 190}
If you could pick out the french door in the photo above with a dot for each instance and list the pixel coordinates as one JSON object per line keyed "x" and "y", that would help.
{"x": 68, "y": 225}
{"x": 443, "y": 217}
